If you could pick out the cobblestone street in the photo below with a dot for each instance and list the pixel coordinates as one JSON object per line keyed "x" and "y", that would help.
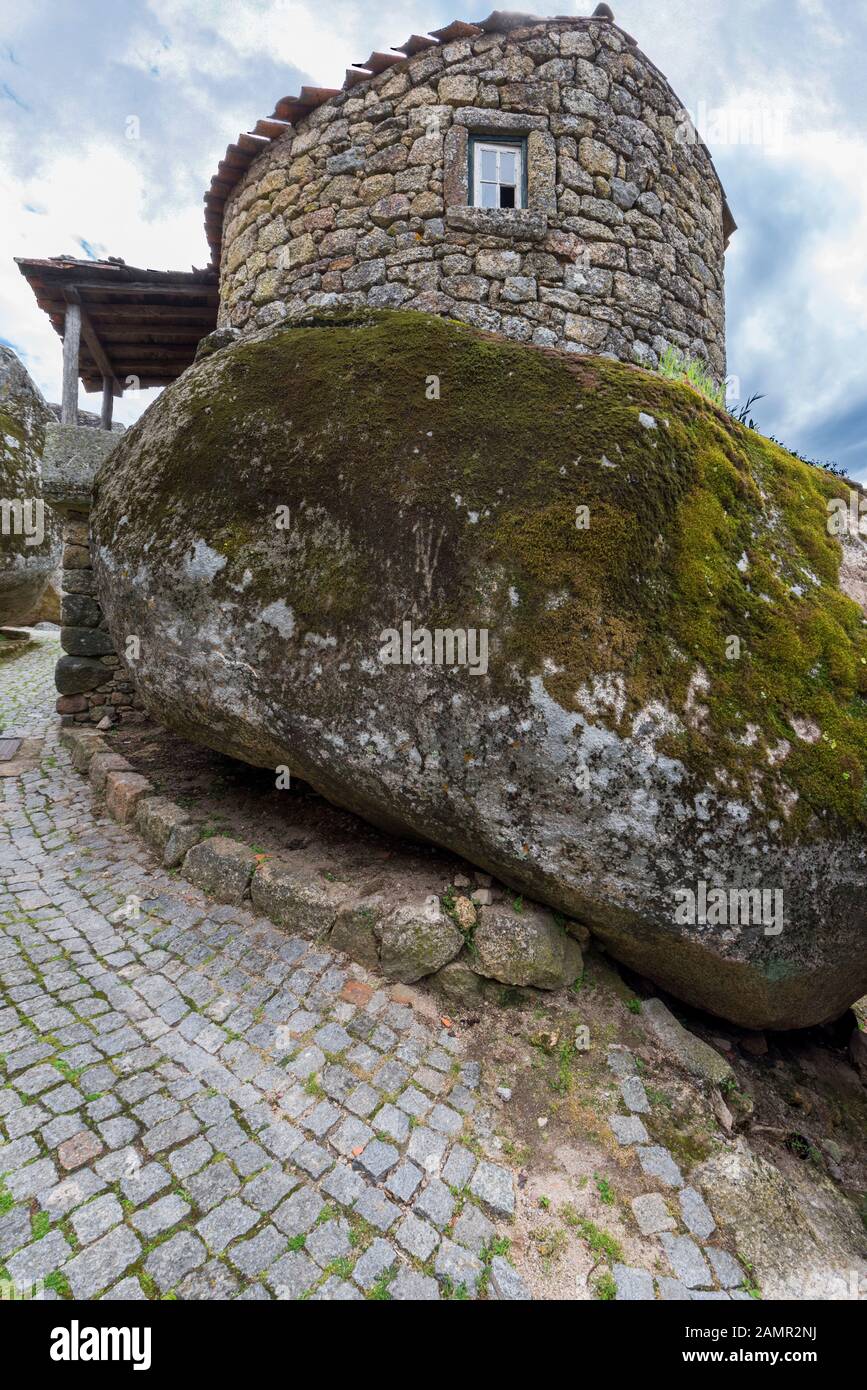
{"x": 197, "y": 1105}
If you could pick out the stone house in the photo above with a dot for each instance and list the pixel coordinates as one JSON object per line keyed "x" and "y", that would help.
{"x": 532, "y": 177}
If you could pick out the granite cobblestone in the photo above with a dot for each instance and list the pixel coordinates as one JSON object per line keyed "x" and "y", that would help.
{"x": 235, "y": 1127}
{"x": 654, "y": 1211}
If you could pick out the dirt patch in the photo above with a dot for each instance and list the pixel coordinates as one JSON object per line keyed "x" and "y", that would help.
{"x": 243, "y": 802}
{"x": 26, "y": 758}
{"x": 575, "y": 1182}
{"x": 574, "y": 1218}
{"x": 808, "y": 1104}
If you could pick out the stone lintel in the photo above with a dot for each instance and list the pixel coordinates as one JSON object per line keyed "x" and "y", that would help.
{"x": 480, "y": 118}
{"x": 519, "y": 224}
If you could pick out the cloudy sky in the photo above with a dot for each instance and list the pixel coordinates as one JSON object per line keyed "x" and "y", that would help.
{"x": 776, "y": 88}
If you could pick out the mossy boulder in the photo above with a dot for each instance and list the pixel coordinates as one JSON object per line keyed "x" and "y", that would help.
{"x": 29, "y": 533}
{"x": 417, "y": 939}
{"x": 674, "y": 691}
{"x": 525, "y": 946}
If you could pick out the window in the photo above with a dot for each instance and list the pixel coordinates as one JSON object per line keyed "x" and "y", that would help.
{"x": 498, "y": 171}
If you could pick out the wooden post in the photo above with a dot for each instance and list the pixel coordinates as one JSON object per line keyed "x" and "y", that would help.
{"x": 107, "y": 403}
{"x": 71, "y": 341}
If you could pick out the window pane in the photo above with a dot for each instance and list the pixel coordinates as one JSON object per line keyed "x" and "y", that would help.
{"x": 507, "y": 166}
{"x": 489, "y": 165}
{"x": 507, "y": 196}
{"x": 489, "y": 195}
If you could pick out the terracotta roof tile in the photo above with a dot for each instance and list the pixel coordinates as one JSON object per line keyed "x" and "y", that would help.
{"x": 378, "y": 62}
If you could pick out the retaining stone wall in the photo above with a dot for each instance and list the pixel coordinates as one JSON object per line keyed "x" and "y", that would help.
{"x": 93, "y": 679}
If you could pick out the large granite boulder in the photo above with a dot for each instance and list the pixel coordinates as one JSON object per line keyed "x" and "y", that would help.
{"x": 29, "y": 533}
{"x": 659, "y": 715}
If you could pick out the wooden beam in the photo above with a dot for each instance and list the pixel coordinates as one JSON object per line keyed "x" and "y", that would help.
{"x": 150, "y": 315}
{"x": 71, "y": 341}
{"x": 117, "y": 335}
{"x": 209, "y": 292}
{"x": 91, "y": 338}
{"x": 128, "y": 357}
{"x": 107, "y": 402}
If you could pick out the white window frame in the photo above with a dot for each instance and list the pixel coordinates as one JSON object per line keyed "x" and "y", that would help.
{"x": 498, "y": 147}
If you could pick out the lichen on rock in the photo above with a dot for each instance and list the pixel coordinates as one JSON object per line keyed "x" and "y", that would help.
{"x": 29, "y": 534}
{"x": 526, "y": 946}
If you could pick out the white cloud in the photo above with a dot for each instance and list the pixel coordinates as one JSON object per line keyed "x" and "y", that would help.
{"x": 802, "y": 337}
{"x": 100, "y": 189}
{"x": 318, "y": 40}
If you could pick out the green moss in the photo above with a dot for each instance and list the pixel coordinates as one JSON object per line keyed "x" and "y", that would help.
{"x": 675, "y": 1133}
{"x": 58, "y": 1281}
{"x": 10, "y": 426}
{"x": 333, "y": 420}
{"x": 600, "y": 1242}
{"x": 21, "y": 446}
{"x": 605, "y": 1288}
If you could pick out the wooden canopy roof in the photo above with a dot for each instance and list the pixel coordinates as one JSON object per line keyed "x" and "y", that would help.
{"x": 141, "y": 323}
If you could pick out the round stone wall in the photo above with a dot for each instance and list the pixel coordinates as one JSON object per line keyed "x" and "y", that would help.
{"x": 619, "y": 250}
